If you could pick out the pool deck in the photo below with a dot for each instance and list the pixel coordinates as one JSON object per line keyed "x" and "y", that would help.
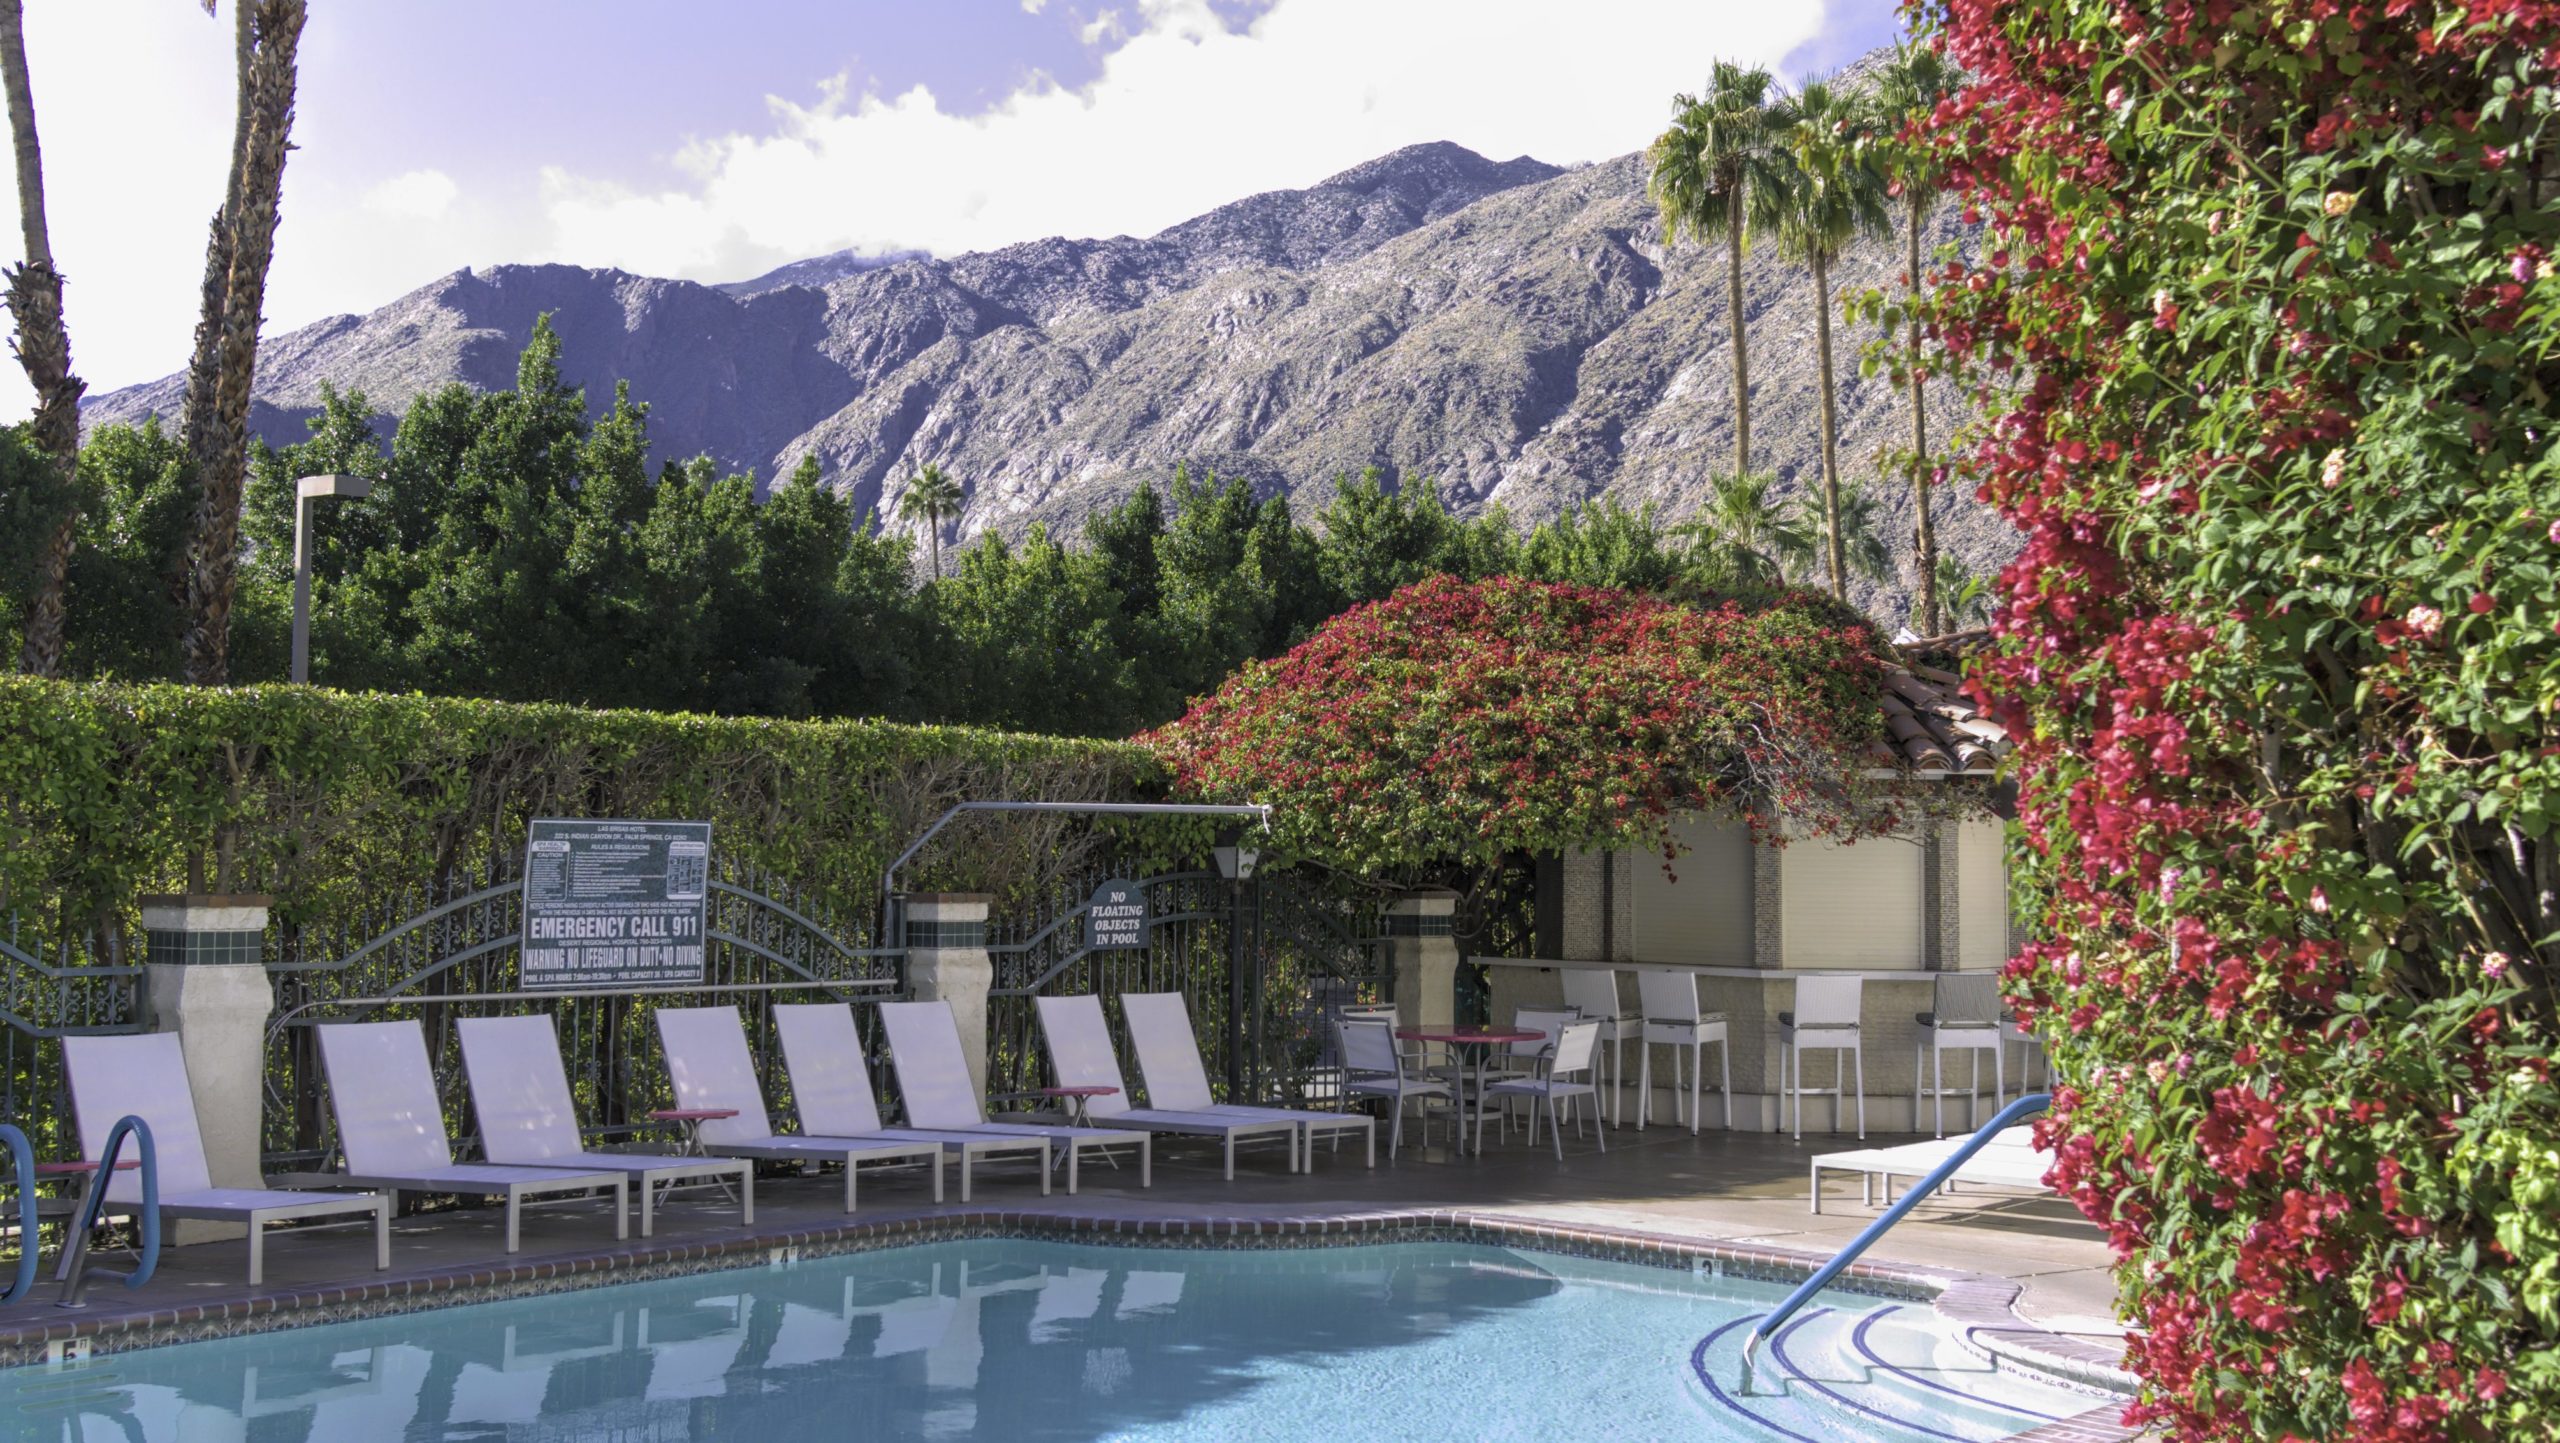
{"x": 2023, "y": 1274}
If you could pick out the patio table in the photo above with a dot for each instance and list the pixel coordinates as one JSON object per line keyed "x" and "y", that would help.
{"x": 691, "y": 1119}
{"x": 1078, "y": 1100}
{"x": 1483, "y": 1040}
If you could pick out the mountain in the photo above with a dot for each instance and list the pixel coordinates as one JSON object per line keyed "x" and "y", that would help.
{"x": 1514, "y": 330}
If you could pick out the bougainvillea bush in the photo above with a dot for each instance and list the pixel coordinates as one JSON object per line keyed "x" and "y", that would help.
{"x": 1456, "y": 722}
{"x": 2263, "y": 319}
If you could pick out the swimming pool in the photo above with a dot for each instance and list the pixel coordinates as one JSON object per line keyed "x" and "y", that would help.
{"x": 1044, "y": 1340}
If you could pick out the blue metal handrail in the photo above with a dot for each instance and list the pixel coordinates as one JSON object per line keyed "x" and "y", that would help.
{"x": 22, "y": 1162}
{"x": 2025, "y": 1107}
{"x": 73, "y": 1272}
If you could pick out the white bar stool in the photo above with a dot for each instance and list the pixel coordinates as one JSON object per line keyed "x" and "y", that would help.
{"x": 1593, "y": 991}
{"x": 1825, "y": 1016}
{"x": 1963, "y": 1016}
{"x": 1672, "y": 1017}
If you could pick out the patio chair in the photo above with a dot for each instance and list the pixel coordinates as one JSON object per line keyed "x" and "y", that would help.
{"x": 1079, "y": 1043}
{"x": 1576, "y": 1054}
{"x": 707, "y": 1060}
{"x": 520, "y": 1093}
{"x": 1372, "y": 1067}
{"x": 382, "y": 1095}
{"x": 1673, "y": 1018}
{"x": 1524, "y": 1059}
{"x": 831, "y": 1091}
{"x": 933, "y": 1077}
{"x": 1169, "y": 1061}
{"x": 1593, "y": 992}
{"x": 1963, "y": 1016}
{"x": 1825, "y": 1016}
{"x": 145, "y": 1076}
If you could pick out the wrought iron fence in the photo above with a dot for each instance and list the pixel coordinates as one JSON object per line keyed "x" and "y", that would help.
{"x": 71, "y": 986}
{"x": 441, "y": 958}
{"x": 1263, "y": 965}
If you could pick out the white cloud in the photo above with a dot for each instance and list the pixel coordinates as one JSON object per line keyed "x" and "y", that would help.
{"x": 1183, "y": 116}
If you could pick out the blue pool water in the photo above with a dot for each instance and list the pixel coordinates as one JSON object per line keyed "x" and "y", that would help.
{"x": 1035, "y": 1340}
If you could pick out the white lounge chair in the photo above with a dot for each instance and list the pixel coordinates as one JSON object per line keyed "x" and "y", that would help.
{"x": 933, "y": 1077}
{"x": 145, "y": 1076}
{"x": 2010, "y": 1159}
{"x": 1563, "y": 1074}
{"x": 831, "y": 1091}
{"x": 1169, "y": 1060}
{"x": 1080, "y": 1053}
{"x": 520, "y": 1093}
{"x": 707, "y": 1058}
{"x": 391, "y": 1128}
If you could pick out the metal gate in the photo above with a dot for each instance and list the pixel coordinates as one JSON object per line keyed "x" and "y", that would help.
{"x": 1263, "y": 965}
{"x": 49, "y": 991}
{"x": 456, "y": 955}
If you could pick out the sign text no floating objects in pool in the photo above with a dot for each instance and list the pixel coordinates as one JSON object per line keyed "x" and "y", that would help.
{"x": 613, "y": 903}
{"x": 1117, "y": 916}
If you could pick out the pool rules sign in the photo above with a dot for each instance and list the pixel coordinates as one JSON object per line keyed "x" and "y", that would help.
{"x": 1117, "y": 916}
{"x": 614, "y": 904}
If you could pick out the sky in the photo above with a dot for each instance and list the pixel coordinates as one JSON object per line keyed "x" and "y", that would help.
{"x": 714, "y": 142}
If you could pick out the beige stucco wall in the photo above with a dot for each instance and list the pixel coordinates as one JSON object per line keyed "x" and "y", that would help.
{"x": 1982, "y": 892}
{"x": 1698, "y": 910}
{"x": 1855, "y": 906}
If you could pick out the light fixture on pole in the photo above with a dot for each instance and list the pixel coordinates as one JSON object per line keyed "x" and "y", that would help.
{"x": 1234, "y": 857}
{"x": 306, "y": 491}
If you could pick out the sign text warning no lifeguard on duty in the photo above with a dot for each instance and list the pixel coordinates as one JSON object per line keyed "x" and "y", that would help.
{"x": 614, "y": 904}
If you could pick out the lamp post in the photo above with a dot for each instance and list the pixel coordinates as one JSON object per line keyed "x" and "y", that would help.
{"x": 306, "y": 491}
{"x": 1235, "y": 858}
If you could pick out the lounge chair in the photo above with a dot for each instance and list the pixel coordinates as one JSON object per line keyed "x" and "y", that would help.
{"x": 520, "y": 1093}
{"x": 145, "y": 1076}
{"x": 933, "y": 1076}
{"x": 391, "y": 1128}
{"x": 707, "y": 1058}
{"x": 1080, "y": 1053}
{"x": 831, "y": 1091}
{"x": 1169, "y": 1060}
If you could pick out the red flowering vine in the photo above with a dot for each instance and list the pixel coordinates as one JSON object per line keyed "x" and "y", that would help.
{"x": 2266, "y": 358}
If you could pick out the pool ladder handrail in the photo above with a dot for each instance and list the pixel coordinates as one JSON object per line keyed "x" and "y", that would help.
{"x": 22, "y": 1161}
{"x": 2026, "y": 1106}
{"x": 73, "y": 1271}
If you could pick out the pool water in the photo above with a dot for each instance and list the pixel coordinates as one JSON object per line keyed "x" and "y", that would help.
{"x": 1035, "y": 1340}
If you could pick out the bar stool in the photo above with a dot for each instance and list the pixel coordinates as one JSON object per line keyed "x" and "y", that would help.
{"x": 1593, "y": 991}
{"x": 1825, "y": 1016}
{"x": 1672, "y": 1017}
{"x": 1963, "y": 1016}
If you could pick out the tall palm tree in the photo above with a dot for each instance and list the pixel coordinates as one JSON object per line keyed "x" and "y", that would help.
{"x": 1861, "y": 539}
{"x": 216, "y": 424}
{"x": 930, "y": 496}
{"x": 1829, "y": 194}
{"x": 1718, "y": 151}
{"x": 44, "y": 350}
{"x": 1907, "y": 90}
{"x": 1748, "y": 532}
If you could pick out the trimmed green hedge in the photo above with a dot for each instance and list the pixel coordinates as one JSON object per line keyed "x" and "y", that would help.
{"x": 335, "y": 802}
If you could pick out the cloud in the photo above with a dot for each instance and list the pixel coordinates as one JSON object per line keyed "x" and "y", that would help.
{"x": 416, "y": 195}
{"x": 1186, "y": 114}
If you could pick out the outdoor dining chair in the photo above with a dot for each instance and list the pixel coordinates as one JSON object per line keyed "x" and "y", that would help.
{"x": 1673, "y": 1018}
{"x": 1563, "y": 1075}
{"x": 1963, "y": 1016}
{"x": 1373, "y": 1067}
{"x": 382, "y": 1095}
{"x": 1826, "y": 1017}
{"x": 1593, "y": 992}
{"x": 144, "y": 1075}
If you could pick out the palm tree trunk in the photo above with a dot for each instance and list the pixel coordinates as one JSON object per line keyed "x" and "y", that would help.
{"x": 933, "y": 520}
{"x": 205, "y": 363}
{"x": 1741, "y": 351}
{"x": 1832, "y": 548}
{"x": 1925, "y": 535}
{"x": 219, "y": 467}
{"x": 44, "y": 350}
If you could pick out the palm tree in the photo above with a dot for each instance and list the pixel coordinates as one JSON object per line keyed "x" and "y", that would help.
{"x": 1829, "y": 194}
{"x": 1907, "y": 91}
{"x": 929, "y": 497}
{"x": 44, "y": 350}
{"x": 1718, "y": 151}
{"x": 216, "y": 425}
{"x": 1861, "y": 540}
{"x": 1967, "y": 597}
{"x": 1747, "y": 532}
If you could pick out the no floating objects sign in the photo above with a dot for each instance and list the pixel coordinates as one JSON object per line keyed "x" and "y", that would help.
{"x": 614, "y": 904}
{"x": 1117, "y": 916}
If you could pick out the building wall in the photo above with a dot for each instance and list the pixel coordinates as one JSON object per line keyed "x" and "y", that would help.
{"x": 1701, "y": 911}
{"x": 1855, "y": 906}
{"x": 1982, "y": 892}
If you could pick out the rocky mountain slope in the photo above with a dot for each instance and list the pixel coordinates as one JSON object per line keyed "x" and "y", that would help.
{"x": 1516, "y": 331}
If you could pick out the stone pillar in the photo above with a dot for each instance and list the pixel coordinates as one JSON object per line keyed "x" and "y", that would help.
{"x": 1940, "y": 910}
{"x": 1768, "y": 902}
{"x": 1425, "y": 954}
{"x": 947, "y": 961}
{"x": 205, "y": 978}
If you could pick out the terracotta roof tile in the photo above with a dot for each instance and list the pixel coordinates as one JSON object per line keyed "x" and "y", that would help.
{"x": 1934, "y": 726}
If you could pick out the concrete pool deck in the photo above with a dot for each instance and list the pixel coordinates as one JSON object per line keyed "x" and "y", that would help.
{"x": 2039, "y": 1281}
